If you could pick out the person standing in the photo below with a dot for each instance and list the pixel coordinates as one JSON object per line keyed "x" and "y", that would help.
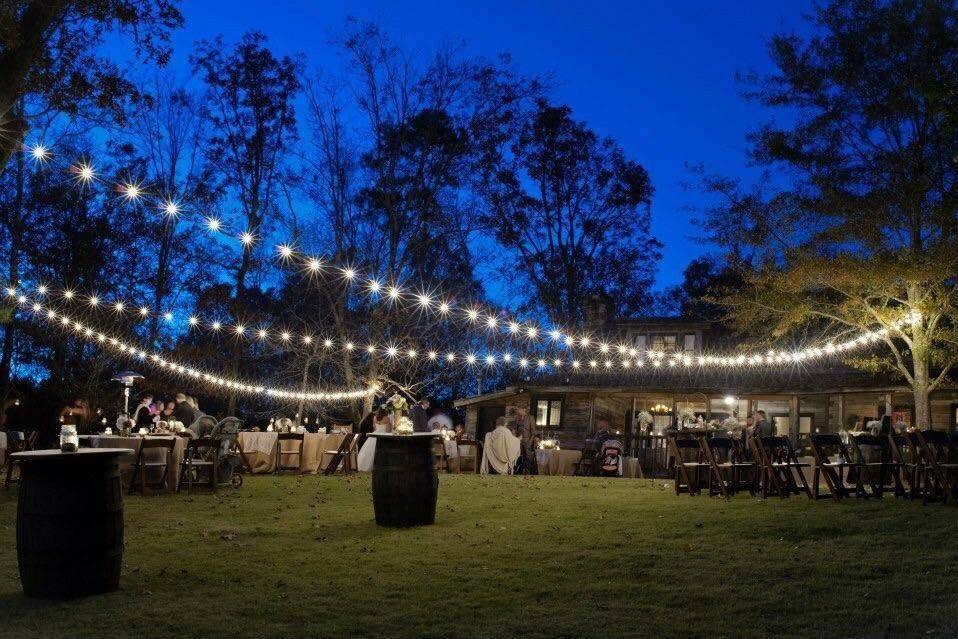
{"x": 143, "y": 415}
{"x": 182, "y": 411}
{"x": 525, "y": 427}
{"x": 763, "y": 427}
{"x": 419, "y": 415}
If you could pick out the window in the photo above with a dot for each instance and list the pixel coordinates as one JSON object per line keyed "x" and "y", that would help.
{"x": 640, "y": 342}
{"x": 664, "y": 343}
{"x": 689, "y": 342}
{"x": 548, "y": 412}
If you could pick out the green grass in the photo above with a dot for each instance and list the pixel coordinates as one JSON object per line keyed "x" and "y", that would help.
{"x": 509, "y": 556}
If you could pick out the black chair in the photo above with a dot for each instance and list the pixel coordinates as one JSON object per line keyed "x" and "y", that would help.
{"x": 202, "y": 455}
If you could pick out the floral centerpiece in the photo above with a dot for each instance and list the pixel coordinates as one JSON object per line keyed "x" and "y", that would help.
{"x": 549, "y": 444}
{"x": 731, "y": 424}
{"x": 398, "y": 406}
{"x": 403, "y": 426}
{"x": 644, "y": 418}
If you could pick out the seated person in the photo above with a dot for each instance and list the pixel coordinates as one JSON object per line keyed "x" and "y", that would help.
{"x": 501, "y": 450}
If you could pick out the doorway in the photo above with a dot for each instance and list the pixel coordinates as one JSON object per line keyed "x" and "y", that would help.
{"x": 486, "y": 420}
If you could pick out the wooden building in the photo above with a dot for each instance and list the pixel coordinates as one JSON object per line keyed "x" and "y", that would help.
{"x": 798, "y": 398}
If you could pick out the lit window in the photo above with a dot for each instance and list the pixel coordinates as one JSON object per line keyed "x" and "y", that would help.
{"x": 548, "y": 413}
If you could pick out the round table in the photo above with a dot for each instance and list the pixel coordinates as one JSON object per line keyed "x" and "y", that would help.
{"x": 405, "y": 483}
{"x": 69, "y": 521}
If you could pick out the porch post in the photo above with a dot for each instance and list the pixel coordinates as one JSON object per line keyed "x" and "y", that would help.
{"x": 841, "y": 411}
{"x": 793, "y": 419}
{"x": 888, "y": 404}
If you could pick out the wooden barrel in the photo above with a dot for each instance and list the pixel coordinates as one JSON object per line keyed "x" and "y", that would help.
{"x": 405, "y": 484}
{"x": 70, "y": 525}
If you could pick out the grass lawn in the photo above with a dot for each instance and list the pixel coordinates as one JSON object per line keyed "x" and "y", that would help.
{"x": 509, "y": 556}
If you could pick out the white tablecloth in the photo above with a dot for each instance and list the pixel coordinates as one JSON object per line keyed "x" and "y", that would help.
{"x": 263, "y": 442}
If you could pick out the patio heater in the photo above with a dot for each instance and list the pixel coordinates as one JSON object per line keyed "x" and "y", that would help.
{"x": 126, "y": 378}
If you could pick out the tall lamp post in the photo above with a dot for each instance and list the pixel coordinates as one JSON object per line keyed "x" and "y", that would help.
{"x": 126, "y": 378}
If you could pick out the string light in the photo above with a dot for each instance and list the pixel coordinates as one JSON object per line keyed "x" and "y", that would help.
{"x": 395, "y": 292}
{"x": 182, "y": 370}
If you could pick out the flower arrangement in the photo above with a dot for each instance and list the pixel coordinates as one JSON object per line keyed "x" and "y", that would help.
{"x": 397, "y": 403}
{"x": 730, "y": 423}
{"x": 687, "y": 415}
{"x": 549, "y": 444}
{"x": 403, "y": 426}
{"x": 644, "y": 417}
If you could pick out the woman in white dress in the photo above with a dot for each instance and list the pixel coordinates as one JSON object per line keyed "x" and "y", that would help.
{"x": 367, "y": 454}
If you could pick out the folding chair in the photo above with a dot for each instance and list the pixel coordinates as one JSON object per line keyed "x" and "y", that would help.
{"x": 779, "y": 465}
{"x": 832, "y": 458}
{"x": 31, "y": 440}
{"x": 201, "y": 455}
{"x": 138, "y": 481}
{"x": 473, "y": 457}
{"x": 940, "y": 456}
{"x": 14, "y": 445}
{"x": 586, "y": 464}
{"x": 440, "y": 456}
{"x": 729, "y": 470}
{"x": 688, "y": 459}
{"x": 883, "y": 473}
{"x": 345, "y": 454}
{"x": 906, "y": 452}
{"x": 298, "y": 440}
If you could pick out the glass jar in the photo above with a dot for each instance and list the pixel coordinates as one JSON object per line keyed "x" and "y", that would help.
{"x": 69, "y": 441}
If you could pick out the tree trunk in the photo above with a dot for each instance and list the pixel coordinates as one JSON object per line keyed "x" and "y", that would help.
{"x": 922, "y": 393}
{"x": 13, "y": 274}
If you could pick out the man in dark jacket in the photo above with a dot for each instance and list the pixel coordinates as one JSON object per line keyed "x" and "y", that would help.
{"x": 183, "y": 412}
{"x": 419, "y": 415}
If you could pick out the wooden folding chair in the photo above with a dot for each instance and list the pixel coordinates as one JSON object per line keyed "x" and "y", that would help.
{"x": 729, "y": 470}
{"x": 13, "y": 446}
{"x": 779, "y": 465}
{"x": 906, "y": 452}
{"x": 201, "y": 455}
{"x": 940, "y": 455}
{"x": 299, "y": 440}
{"x": 474, "y": 457}
{"x": 30, "y": 442}
{"x": 345, "y": 455}
{"x": 689, "y": 465}
{"x": 832, "y": 459}
{"x": 586, "y": 464}
{"x": 440, "y": 456}
{"x": 237, "y": 447}
{"x": 881, "y": 473}
{"x": 138, "y": 481}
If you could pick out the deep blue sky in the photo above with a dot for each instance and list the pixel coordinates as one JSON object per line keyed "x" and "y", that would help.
{"x": 659, "y": 77}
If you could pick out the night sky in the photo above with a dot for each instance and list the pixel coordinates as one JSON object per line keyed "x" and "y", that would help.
{"x": 659, "y": 77}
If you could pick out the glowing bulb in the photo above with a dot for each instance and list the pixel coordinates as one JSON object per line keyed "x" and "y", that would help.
{"x": 217, "y": 326}
{"x": 39, "y": 152}
{"x": 473, "y": 314}
{"x": 374, "y": 285}
{"x": 411, "y": 353}
{"x": 131, "y": 191}
{"x": 523, "y": 362}
{"x": 349, "y": 274}
{"x": 450, "y": 357}
{"x": 490, "y": 360}
{"x": 391, "y": 351}
{"x": 171, "y": 208}
{"x": 247, "y": 238}
{"x": 432, "y": 355}
{"x": 168, "y": 316}
{"x": 350, "y": 346}
{"x": 392, "y": 292}
{"x": 94, "y": 300}
{"x": 262, "y": 334}
{"x": 285, "y": 251}
{"x": 285, "y": 336}
{"x": 144, "y": 311}
{"x": 68, "y": 294}
{"x": 514, "y": 328}
{"x": 371, "y": 349}
{"x": 118, "y": 307}
{"x": 532, "y": 332}
{"x": 307, "y": 339}
{"x": 444, "y": 308}
{"x": 194, "y": 320}
{"x": 424, "y": 300}
{"x": 470, "y": 359}
{"x": 328, "y": 343}
{"x": 214, "y": 224}
{"x": 42, "y": 290}
{"x": 555, "y": 335}
{"x": 314, "y": 265}
{"x": 491, "y": 321}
